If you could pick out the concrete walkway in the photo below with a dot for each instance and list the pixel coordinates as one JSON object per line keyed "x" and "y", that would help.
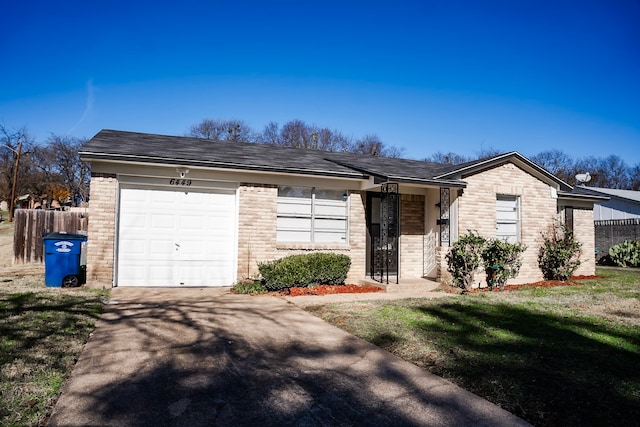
{"x": 204, "y": 357}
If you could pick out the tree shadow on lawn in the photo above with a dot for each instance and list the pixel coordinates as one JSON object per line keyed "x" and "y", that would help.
{"x": 41, "y": 335}
{"x": 30, "y": 320}
{"x": 235, "y": 361}
{"x": 547, "y": 369}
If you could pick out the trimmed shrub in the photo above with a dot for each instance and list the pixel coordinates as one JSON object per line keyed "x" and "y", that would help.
{"x": 316, "y": 268}
{"x": 249, "y": 287}
{"x": 559, "y": 255}
{"x": 464, "y": 258}
{"x": 501, "y": 261}
{"x": 626, "y": 254}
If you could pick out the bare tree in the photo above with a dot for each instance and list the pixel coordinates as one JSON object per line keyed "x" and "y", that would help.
{"x": 66, "y": 176}
{"x": 270, "y": 134}
{"x": 223, "y": 130}
{"x": 593, "y": 166}
{"x": 10, "y": 140}
{"x": 634, "y": 177}
{"x": 372, "y": 145}
{"x": 296, "y": 134}
{"x": 615, "y": 172}
{"x": 558, "y": 163}
{"x": 330, "y": 140}
{"x": 449, "y": 158}
{"x": 487, "y": 153}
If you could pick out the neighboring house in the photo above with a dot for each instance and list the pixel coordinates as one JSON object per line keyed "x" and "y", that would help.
{"x": 616, "y": 204}
{"x": 178, "y": 211}
{"x": 616, "y": 217}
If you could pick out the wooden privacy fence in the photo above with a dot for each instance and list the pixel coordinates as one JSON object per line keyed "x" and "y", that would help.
{"x": 613, "y": 231}
{"x": 32, "y": 224}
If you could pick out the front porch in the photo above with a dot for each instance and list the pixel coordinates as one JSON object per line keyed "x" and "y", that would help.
{"x": 408, "y": 233}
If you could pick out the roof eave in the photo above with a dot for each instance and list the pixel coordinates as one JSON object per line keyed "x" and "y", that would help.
{"x": 582, "y": 197}
{"x": 595, "y": 192}
{"x": 487, "y": 163}
{"x": 121, "y": 158}
{"x": 431, "y": 182}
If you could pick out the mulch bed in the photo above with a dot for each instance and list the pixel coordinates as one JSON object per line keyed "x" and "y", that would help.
{"x": 573, "y": 281}
{"x": 357, "y": 289}
{"x": 331, "y": 289}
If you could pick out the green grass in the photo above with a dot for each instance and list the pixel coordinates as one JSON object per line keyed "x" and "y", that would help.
{"x": 41, "y": 335}
{"x": 565, "y": 356}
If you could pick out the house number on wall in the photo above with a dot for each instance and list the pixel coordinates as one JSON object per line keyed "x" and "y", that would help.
{"x": 176, "y": 181}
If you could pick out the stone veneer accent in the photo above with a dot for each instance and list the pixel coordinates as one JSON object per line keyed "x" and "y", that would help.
{"x": 101, "y": 231}
{"x": 538, "y": 208}
{"x": 257, "y": 243}
{"x": 412, "y": 232}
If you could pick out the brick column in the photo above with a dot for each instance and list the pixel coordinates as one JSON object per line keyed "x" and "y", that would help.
{"x": 411, "y": 235}
{"x": 584, "y": 232}
{"x": 257, "y": 206}
{"x": 101, "y": 231}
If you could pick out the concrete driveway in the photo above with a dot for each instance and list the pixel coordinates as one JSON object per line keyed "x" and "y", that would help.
{"x": 202, "y": 357}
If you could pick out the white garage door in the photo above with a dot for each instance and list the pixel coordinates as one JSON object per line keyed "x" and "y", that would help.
{"x": 176, "y": 238}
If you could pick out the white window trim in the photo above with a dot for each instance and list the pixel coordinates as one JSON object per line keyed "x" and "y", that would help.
{"x": 517, "y": 221}
{"x": 313, "y": 217}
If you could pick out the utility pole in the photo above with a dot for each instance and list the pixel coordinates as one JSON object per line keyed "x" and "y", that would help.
{"x": 12, "y": 202}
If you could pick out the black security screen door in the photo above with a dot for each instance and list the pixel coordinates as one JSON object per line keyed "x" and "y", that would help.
{"x": 384, "y": 229}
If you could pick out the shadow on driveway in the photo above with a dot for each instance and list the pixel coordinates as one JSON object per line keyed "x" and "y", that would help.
{"x": 196, "y": 357}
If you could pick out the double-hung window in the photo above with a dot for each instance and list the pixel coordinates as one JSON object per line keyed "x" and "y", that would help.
{"x": 508, "y": 218}
{"x": 311, "y": 215}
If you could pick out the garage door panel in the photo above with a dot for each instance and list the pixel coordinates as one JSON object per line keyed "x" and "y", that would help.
{"x": 133, "y": 219}
{"x": 156, "y": 273}
{"x": 191, "y": 222}
{"x": 200, "y": 273}
{"x": 176, "y": 238}
{"x": 163, "y": 221}
{"x": 162, "y": 197}
{"x": 162, "y": 249}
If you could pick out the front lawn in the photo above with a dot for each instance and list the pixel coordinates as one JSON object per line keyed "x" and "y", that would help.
{"x": 565, "y": 356}
{"x": 42, "y": 331}
{"x": 41, "y": 335}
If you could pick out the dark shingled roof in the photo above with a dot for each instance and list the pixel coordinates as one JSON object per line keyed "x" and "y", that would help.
{"x": 161, "y": 149}
{"x": 112, "y": 145}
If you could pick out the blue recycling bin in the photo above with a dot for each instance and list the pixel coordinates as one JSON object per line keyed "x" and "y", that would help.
{"x": 64, "y": 259}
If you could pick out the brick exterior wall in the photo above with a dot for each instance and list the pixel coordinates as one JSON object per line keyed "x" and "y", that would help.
{"x": 357, "y": 235}
{"x": 257, "y": 215}
{"x": 412, "y": 235}
{"x": 102, "y": 232}
{"x": 538, "y": 208}
{"x": 443, "y": 274}
{"x": 257, "y": 232}
{"x": 584, "y": 232}
{"x": 257, "y": 218}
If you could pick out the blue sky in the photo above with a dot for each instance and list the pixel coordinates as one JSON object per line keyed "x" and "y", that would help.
{"x": 426, "y": 76}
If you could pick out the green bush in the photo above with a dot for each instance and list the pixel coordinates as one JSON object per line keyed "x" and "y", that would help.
{"x": 626, "y": 254}
{"x": 464, "y": 258}
{"x": 501, "y": 261}
{"x": 559, "y": 255}
{"x": 249, "y": 287}
{"x": 317, "y": 268}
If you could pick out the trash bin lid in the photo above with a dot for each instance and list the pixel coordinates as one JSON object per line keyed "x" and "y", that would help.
{"x": 61, "y": 235}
